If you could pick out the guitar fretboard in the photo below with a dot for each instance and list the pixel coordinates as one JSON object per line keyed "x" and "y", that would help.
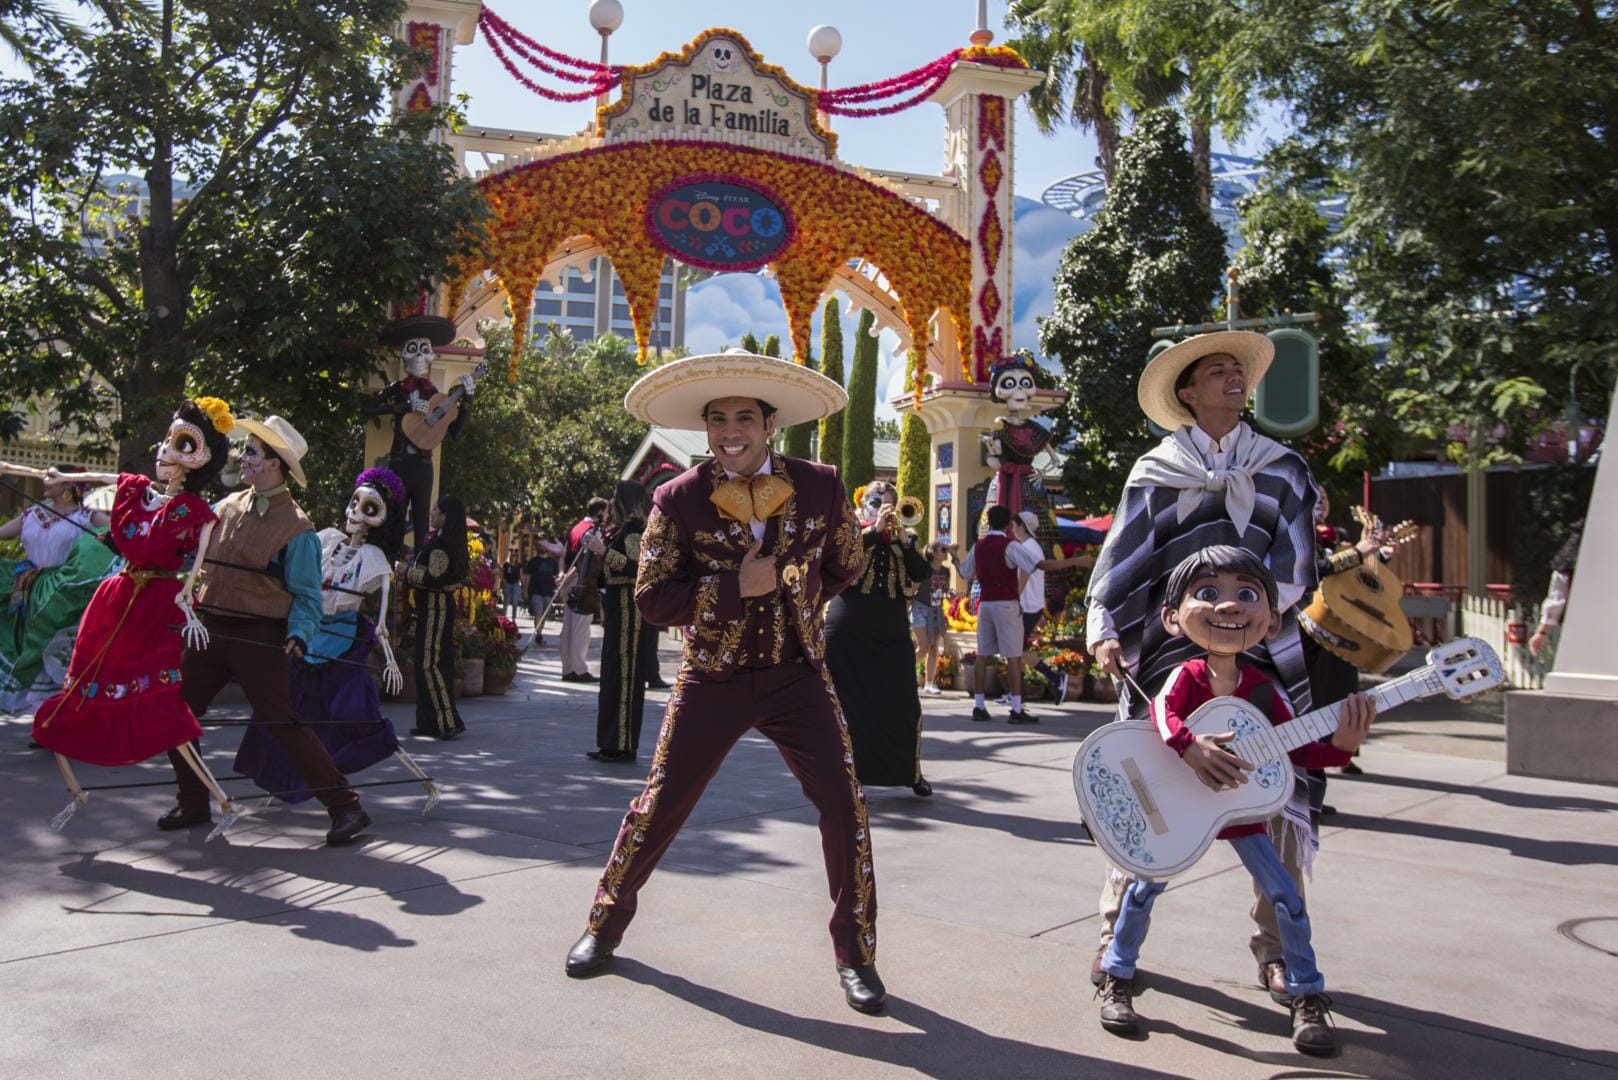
{"x": 1317, "y": 725}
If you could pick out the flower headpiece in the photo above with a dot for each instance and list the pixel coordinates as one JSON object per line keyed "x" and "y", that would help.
{"x": 382, "y": 479}
{"x": 218, "y": 413}
{"x": 1014, "y": 362}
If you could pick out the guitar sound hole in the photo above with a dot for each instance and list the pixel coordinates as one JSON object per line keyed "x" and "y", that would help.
{"x": 1370, "y": 581}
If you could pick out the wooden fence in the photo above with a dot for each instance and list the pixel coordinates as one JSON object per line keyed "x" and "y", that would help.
{"x": 1489, "y": 618}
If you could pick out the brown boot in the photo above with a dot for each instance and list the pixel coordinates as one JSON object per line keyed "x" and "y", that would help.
{"x": 1272, "y": 976}
{"x": 1117, "y": 1005}
{"x": 1312, "y": 1026}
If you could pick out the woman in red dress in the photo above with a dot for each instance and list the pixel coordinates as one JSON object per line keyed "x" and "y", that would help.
{"x": 121, "y": 702}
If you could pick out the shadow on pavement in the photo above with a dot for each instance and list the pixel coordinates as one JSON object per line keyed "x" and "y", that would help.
{"x": 938, "y": 1046}
{"x": 1520, "y": 799}
{"x": 1392, "y": 1048}
{"x": 1561, "y": 852}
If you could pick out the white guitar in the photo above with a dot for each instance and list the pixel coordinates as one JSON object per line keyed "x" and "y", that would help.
{"x": 1153, "y": 817}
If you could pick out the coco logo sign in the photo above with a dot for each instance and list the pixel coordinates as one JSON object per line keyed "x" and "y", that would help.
{"x": 718, "y": 223}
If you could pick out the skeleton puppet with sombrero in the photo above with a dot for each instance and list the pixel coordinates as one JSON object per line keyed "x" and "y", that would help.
{"x": 744, "y": 550}
{"x": 416, "y": 336}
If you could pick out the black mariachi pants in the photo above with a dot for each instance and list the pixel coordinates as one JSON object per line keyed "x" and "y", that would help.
{"x": 621, "y": 701}
{"x": 435, "y": 664}
{"x": 416, "y": 470}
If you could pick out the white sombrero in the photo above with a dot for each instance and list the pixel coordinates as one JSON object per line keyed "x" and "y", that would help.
{"x": 1156, "y": 393}
{"x": 279, "y": 435}
{"x": 672, "y": 396}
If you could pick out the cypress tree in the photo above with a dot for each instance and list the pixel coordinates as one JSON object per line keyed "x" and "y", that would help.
{"x": 750, "y": 343}
{"x": 831, "y": 366}
{"x": 915, "y": 444}
{"x": 859, "y": 429}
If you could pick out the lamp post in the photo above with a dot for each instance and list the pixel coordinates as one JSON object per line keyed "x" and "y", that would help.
{"x": 824, "y": 43}
{"x": 606, "y": 16}
{"x": 982, "y": 35}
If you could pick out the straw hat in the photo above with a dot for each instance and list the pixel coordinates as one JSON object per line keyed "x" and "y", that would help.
{"x": 279, "y": 435}
{"x": 672, "y": 396}
{"x": 1156, "y": 393}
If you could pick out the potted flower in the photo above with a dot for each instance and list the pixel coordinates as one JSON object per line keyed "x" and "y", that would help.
{"x": 499, "y": 666}
{"x": 946, "y": 672}
{"x": 470, "y": 648}
{"x": 1100, "y": 685}
{"x": 1076, "y": 666}
{"x": 1034, "y": 685}
{"x": 991, "y": 677}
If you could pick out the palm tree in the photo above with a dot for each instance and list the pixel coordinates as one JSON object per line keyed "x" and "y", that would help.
{"x": 1105, "y": 60}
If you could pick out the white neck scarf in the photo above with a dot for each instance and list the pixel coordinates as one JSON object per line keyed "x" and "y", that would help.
{"x": 1175, "y": 462}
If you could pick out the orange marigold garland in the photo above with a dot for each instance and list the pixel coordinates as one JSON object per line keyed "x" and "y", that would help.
{"x": 604, "y": 192}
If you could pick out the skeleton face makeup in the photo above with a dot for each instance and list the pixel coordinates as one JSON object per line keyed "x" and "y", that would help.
{"x": 1015, "y": 388}
{"x": 417, "y": 354}
{"x": 254, "y": 461}
{"x": 183, "y": 449}
{"x": 367, "y": 509}
{"x": 875, "y": 499}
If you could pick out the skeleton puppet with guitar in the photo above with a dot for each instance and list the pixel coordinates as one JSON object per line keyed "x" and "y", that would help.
{"x": 422, "y": 416}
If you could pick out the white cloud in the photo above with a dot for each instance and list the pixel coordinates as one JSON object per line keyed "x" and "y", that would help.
{"x": 1039, "y": 237}
{"x": 726, "y": 306}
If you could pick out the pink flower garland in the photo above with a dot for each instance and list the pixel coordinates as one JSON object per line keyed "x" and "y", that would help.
{"x": 929, "y": 76}
{"x": 513, "y": 36}
{"x": 495, "y": 30}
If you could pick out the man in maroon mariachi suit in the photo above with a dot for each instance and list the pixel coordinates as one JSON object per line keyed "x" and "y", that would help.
{"x": 744, "y": 551}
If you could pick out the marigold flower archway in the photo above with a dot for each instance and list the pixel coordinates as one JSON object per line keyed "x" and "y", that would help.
{"x": 607, "y": 190}
{"x": 604, "y": 193}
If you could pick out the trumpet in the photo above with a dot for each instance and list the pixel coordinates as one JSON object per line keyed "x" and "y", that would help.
{"x": 910, "y": 511}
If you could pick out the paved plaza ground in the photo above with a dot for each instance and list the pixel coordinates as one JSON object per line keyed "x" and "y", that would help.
{"x": 1466, "y": 920}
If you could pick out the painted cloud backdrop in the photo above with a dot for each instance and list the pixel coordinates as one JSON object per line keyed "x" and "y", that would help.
{"x": 723, "y": 308}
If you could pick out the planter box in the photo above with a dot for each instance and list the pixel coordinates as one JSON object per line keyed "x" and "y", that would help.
{"x": 472, "y": 678}
{"x": 1075, "y": 687}
{"x": 498, "y": 680}
{"x": 1099, "y": 688}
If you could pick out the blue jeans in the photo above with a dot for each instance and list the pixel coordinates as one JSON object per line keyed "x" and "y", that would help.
{"x": 512, "y": 591}
{"x": 1258, "y": 855}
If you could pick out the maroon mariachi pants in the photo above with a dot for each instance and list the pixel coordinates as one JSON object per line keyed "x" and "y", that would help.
{"x": 261, "y": 669}
{"x": 796, "y": 708}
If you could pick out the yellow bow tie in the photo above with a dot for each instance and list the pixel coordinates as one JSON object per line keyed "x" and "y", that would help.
{"x": 742, "y": 498}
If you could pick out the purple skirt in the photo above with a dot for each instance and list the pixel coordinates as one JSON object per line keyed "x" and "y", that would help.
{"x": 340, "y": 701}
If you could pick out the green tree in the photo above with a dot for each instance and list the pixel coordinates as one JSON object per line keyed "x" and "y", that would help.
{"x": 1105, "y": 59}
{"x": 750, "y": 344}
{"x": 915, "y": 450}
{"x": 1474, "y": 145}
{"x": 216, "y": 200}
{"x": 541, "y": 447}
{"x": 859, "y": 463}
{"x": 831, "y": 366}
{"x": 1284, "y": 266}
{"x": 797, "y": 440}
{"x": 1153, "y": 257}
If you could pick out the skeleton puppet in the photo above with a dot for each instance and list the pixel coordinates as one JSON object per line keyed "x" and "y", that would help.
{"x": 121, "y": 701}
{"x": 416, "y": 337}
